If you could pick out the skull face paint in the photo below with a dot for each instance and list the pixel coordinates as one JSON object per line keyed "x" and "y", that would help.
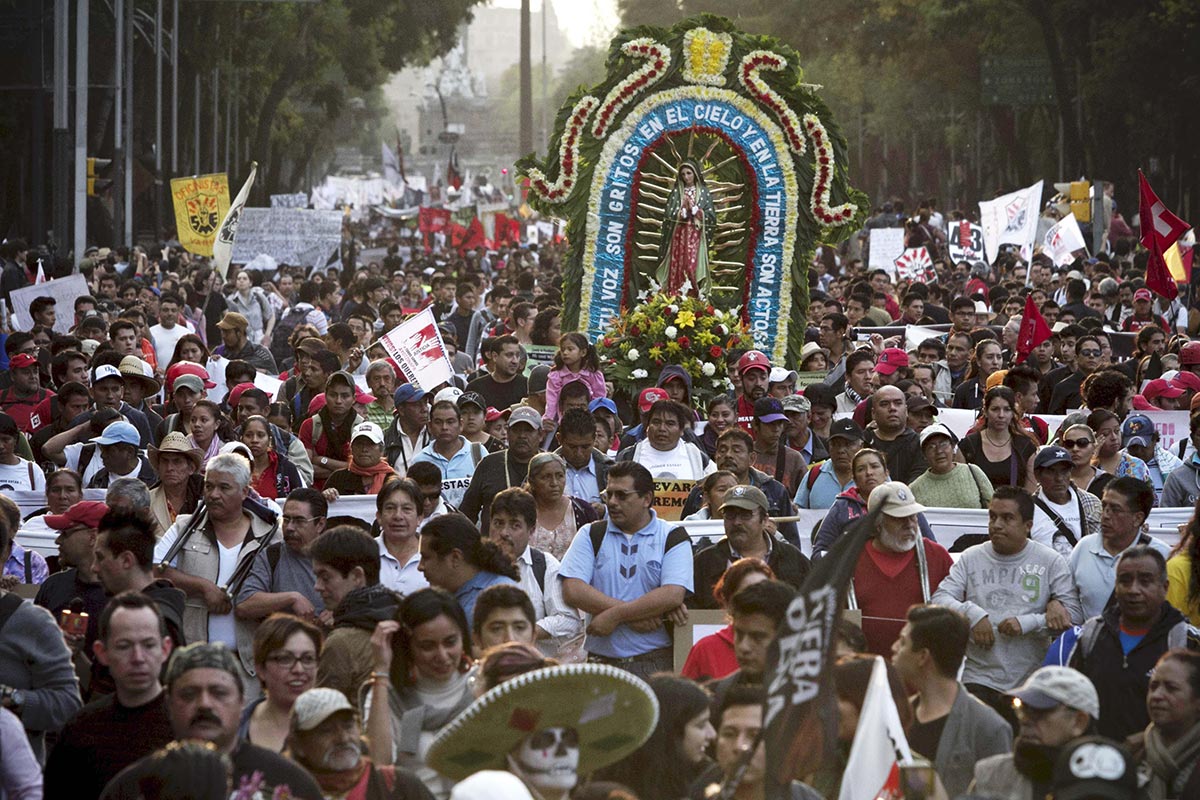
{"x": 549, "y": 759}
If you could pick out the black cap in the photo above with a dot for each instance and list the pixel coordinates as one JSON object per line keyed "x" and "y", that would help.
{"x": 846, "y": 429}
{"x": 917, "y": 402}
{"x": 1050, "y": 455}
{"x": 769, "y": 409}
{"x": 1095, "y": 768}
{"x": 472, "y": 398}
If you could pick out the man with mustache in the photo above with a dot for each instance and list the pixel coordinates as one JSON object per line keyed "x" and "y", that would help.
{"x": 204, "y": 701}
{"x": 326, "y": 739}
{"x": 282, "y": 578}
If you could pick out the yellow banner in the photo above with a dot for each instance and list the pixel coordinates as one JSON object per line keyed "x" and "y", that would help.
{"x": 201, "y": 202}
{"x": 670, "y": 497}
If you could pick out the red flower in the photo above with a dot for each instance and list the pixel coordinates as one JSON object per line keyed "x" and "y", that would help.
{"x": 634, "y": 330}
{"x": 607, "y": 342}
{"x": 685, "y": 342}
{"x": 715, "y": 351}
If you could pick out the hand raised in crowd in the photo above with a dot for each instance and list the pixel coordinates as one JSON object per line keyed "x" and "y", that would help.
{"x": 1057, "y": 618}
{"x": 1010, "y": 627}
{"x": 325, "y": 619}
{"x": 982, "y": 634}
{"x": 9, "y": 582}
{"x": 331, "y": 495}
{"x": 381, "y": 643}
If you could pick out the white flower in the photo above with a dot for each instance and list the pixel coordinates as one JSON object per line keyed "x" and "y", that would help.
{"x": 671, "y": 331}
{"x": 638, "y": 374}
{"x": 633, "y": 354}
{"x": 708, "y": 368}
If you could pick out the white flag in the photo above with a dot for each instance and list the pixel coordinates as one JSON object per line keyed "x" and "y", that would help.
{"x": 223, "y": 243}
{"x": 1011, "y": 219}
{"x": 41, "y": 273}
{"x": 416, "y": 345}
{"x": 879, "y": 744}
{"x": 1063, "y": 240}
{"x": 391, "y": 165}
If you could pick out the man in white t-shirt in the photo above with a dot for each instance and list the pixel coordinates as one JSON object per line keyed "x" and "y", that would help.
{"x": 1062, "y": 514}
{"x": 21, "y": 475}
{"x": 664, "y": 452}
{"x": 167, "y": 333}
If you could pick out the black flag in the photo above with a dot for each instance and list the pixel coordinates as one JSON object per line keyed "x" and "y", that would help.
{"x": 801, "y": 718}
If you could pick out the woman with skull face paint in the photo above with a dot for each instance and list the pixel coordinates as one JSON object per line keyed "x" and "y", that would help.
{"x": 419, "y": 683}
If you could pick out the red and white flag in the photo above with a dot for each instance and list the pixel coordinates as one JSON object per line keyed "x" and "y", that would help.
{"x": 1160, "y": 230}
{"x": 41, "y": 273}
{"x": 879, "y": 747}
{"x": 914, "y": 264}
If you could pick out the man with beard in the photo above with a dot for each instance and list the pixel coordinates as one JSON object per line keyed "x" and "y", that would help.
{"x": 204, "y": 701}
{"x": 1056, "y": 705}
{"x": 891, "y": 435}
{"x": 754, "y": 371}
{"x": 325, "y": 738}
{"x": 1015, "y": 593}
{"x": 281, "y": 579}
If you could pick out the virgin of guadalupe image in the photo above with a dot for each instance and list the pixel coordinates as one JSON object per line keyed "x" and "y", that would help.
{"x": 688, "y": 224}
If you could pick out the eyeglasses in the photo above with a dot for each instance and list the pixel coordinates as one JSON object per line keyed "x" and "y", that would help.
{"x": 618, "y": 495}
{"x": 286, "y": 520}
{"x": 1073, "y": 444}
{"x": 288, "y": 660}
{"x": 1090, "y": 353}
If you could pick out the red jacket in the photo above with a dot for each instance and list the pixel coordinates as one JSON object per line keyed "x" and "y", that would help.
{"x": 712, "y": 657}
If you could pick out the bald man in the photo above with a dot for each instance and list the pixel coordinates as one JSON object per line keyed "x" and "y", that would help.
{"x": 891, "y": 434}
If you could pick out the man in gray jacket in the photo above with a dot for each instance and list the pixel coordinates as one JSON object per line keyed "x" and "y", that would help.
{"x": 950, "y": 727}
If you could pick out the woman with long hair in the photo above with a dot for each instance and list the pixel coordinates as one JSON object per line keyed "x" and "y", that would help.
{"x": 689, "y": 221}
{"x": 1080, "y": 441}
{"x": 559, "y": 516}
{"x": 209, "y": 429}
{"x": 251, "y": 302}
{"x": 986, "y": 358}
{"x": 713, "y": 489}
{"x": 722, "y": 414}
{"x": 190, "y": 347}
{"x": 667, "y": 764}
{"x": 456, "y": 558}
{"x": 1183, "y": 570}
{"x": 285, "y": 658}
{"x": 712, "y": 658}
{"x": 419, "y": 683}
{"x": 271, "y": 474}
{"x": 547, "y": 327}
{"x": 1002, "y": 449}
{"x": 1110, "y": 456}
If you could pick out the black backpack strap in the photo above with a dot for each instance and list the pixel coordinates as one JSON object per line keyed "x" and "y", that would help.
{"x": 1058, "y": 521}
{"x": 539, "y": 567}
{"x": 273, "y": 553}
{"x": 28, "y": 565}
{"x": 8, "y": 606}
{"x": 677, "y": 536}
{"x": 597, "y": 531}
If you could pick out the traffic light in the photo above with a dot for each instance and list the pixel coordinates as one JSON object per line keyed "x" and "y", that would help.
{"x": 96, "y": 168}
{"x": 1081, "y": 201}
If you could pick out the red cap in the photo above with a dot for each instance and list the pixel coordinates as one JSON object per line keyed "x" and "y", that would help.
{"x": 316, "y": 404}
{"x": 1143, "y": 294}
{"x": 890, "y": 360}
{"x": 1189, "y": 354}
{"x": 361, "y": 397}
{"x": 1188, "y": 381}
{"x": 235, "y": 394}
{"x": 187, "y": 368}
{"x": 1142, "y": 404}
{"x": 22, "y": 360}
{"x": 86, "y": 512}
{"x": 650, "y": 396}
{"x": 1160, "y": 388}
{"x": 753, "y": 359}
{"x": 492, "y": 414}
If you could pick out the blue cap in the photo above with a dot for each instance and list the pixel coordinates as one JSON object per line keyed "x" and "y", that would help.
{"x": 602, "y": 402}
{"x": 120, "y": 432}
{"x": 407, "y": 393}
{"x": 1137, "y": 429}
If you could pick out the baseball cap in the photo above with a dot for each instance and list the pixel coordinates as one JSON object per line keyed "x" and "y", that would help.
{"x": 890, "y": 360}
{"x": 1187, "y": 381}
{"x": 1095, "y": 768}
{"x": 918, "y": 402}
{"x": 602, "y": 402}
{"x": 894, "y": 499}
{"x": 87, "y": 513}
{"x": 1189, "y": 354}
{"x": 235, "y": 394}
{"x": 22, "y": 361}
{"x": 341, "y": 376}
{"x": 846, "y": 429}
{"x": 769, "y": 409}
{"x": 527, "y": 415}
{"x": 753, "y": 359}
{"x": 472, "y": 399}
{"x": 781, "y": 375}
{"x": 192, "y": 382}
{"x": 408, "y": 393}
{"x": 187, "y": 368}
{"x": 796, "y": 403}
{"x": 1137, "y": 429}
{"x": 747, "y": 497}
{"x": 1143, "y": 294}
{"x": 491, "y": 414}
{"x": 120, "y": 432}
{"x": 448, "y": 395}
{"x": 104, "y": 372}
{"x": 311, "y": 346}
{"x": 937, "y": 429}
{"x": 650, "y": 396}
{"x": 317, "y": 705}
{"x": 1051, "y": 686}
{"x": 1160, "y": 388}
{"x": 232, "y": 320}
{"x": 538, "y": 376}
{"x": 1050, "y": 455}
{"x": 369, "y": 430}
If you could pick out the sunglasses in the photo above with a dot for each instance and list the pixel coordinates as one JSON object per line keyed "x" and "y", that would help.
{"x": 1076, "y": 443}
{"x": 1090, "y": 353}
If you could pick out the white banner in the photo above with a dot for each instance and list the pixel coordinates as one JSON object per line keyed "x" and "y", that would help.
{"x": 966, "y": 241}
{"x": 1063, "y": 239}
{"x": 298, "y": 236}
{"x": 227, "y": 233}
{"x": 1172, "y": 427}
{"x": 1011, "y": 219}
{"x": 63, "y": 290}
{"x": 297, "y": 200}
{"x": 417, "y": 346}
{"x": 886, "y": 245}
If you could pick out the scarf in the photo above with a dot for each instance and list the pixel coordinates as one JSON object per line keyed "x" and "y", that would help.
{"x": 854, "y": 396}
{"x": 379, "y": 474}
{"x": 414, "y": 716}
{"x": 1173, "y": 763}
{"x": 214, "y": 447}
{"x": 340, "y": 784}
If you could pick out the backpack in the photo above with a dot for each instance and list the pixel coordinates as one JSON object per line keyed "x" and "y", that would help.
{"x": 281, "y": 349}
{"x": 599, "y": 528}
{"x": 539, "y": 567}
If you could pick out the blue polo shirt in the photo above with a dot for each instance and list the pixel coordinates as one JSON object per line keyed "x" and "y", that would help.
{"x": 627, "y": 567}
{"x": 456, "y": 471}
{"x": 468, "y": 593}
{"x": 825, "y": 489}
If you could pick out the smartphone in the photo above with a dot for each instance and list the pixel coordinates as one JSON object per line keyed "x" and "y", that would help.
{"x": 74, "y": 622}
{"x": 917, "y": 779}
{"x": 863, "y": 337}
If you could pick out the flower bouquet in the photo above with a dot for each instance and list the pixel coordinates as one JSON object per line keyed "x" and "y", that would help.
{"x": 672, "y": 329}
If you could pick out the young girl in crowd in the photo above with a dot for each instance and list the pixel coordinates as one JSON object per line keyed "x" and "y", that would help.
{"x": 576, "y": 360}
{"x": 206, "y": 425}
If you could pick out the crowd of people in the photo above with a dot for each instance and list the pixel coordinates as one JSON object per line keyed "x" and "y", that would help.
{"x": 307, "y": 590}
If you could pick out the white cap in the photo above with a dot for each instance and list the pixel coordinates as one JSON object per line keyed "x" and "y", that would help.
{"x": 369, "y": 430}
{"x": 449, "y": 395}
{"x": 317, "y": 705}
{"x": 105, "y": 371}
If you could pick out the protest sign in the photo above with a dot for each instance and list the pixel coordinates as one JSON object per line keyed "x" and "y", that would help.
{"x": 539, "y": 354}
{"x": 914, "y": 264}
{"x": 269, "y": 384}
{"x": 63, "y": 290}
{"x": 670, "y": 497}
{"x": 297, "y": 236}
{"x": 966, "y": 241}
{"x": 1063, "y": 240}
{"x": 201, "y": 202}
{"x": 804, "y": 379}
{"x": 297, "y": 200}
{"x": 417, "y": 347}
{"x": 886, "y": 245}
{"x": 1172, "y": 427}
{"x": 915, "y": 334}
{"x": 1011, "y": 219}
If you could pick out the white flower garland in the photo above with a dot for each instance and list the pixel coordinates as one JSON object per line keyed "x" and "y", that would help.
{"x": 824, "y": 179}
{"x": 701, "y": 46}
{"x": 658, "y": 60}
{"x": 568, "y": 155}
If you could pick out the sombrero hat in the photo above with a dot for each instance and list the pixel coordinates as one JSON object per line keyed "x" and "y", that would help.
{"x": 612, "y": 711}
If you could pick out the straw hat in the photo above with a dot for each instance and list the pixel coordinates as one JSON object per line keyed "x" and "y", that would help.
{"x": 135, "y": 368}
{"x": 175, "y": 442}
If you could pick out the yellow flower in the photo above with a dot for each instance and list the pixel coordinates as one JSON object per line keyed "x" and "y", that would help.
{"x": 673, "y": 347}
{"x": 655, "y": 352}
{"x": 685, "y": 319}
{"x": 706, "y": 339}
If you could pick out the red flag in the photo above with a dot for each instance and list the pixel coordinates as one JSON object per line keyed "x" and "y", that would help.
{"x": 475, "y": 236}
{"x": 432, "y": 220}
{"x": 1160, "y": 230}
{"x": 455, "y": 235}
{"x": 453, "y": 174}
{"x": 1034, "y": 329}
{"x": 501, "y": 228}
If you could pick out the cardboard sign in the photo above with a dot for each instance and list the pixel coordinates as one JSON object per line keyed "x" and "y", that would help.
{"x": 914, "y": 264}
{"x": 966, "y": 241}
{"x": 63, "y": 290}
{"x": 886, "y": 245}
{"x": 297, "y": 236}
{"x": 416, "y": 345}
{"x": 669, "y": 498}
{"x": 804, "y": 379}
